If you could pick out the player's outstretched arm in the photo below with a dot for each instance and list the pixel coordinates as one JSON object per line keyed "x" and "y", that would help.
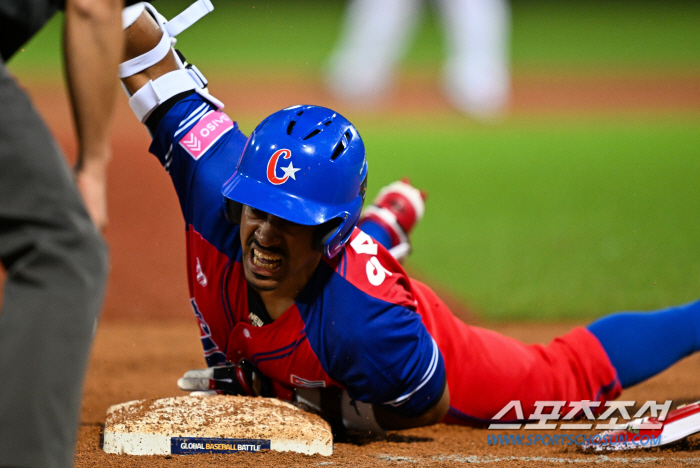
{"x": 140, "y": 37}
{"x": 152, "y": 72}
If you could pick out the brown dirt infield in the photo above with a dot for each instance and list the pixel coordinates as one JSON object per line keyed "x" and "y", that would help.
{"x": 147, "y": 337}
{"x": 144, "y": 359}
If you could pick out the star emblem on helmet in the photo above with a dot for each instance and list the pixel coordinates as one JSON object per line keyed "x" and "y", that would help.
{"x": 290, "y": 170}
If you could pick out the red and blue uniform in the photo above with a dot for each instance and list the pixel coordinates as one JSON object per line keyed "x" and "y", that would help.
{"x": 360, "y": 323}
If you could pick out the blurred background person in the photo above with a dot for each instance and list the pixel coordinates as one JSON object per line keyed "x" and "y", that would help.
{"x": 375, "y": 34}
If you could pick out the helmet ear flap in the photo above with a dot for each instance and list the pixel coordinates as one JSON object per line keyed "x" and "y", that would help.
{"x": 324, "y": 232}
{"x": 327, "y": 238}
{"x": 233, "y": 211}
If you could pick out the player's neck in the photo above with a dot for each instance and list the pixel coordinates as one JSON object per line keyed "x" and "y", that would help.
{"x": 278, "y": 300}
{"x": 275, "y": 306}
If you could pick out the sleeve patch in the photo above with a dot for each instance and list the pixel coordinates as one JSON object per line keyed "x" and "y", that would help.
{"x": 207, "y": 132}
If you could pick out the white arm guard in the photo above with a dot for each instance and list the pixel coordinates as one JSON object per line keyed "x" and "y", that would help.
{"x": 144, "y": 101}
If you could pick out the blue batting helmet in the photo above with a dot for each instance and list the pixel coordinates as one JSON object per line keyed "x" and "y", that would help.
{"x": 323, "y": 183}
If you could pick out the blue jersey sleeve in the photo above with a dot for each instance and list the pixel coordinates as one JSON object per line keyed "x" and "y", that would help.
{"x": 200, "y": 147}
{"x": 381, "y": 352}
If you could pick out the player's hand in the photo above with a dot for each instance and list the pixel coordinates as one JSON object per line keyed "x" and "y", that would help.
{"x": 91, "y": 178}
{"x": 229, "y": 379}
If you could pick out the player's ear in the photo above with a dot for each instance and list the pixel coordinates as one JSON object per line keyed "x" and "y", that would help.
{"x": 233, "y": 211}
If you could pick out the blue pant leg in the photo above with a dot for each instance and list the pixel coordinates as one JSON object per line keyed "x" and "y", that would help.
{"x": 642, "y": 344}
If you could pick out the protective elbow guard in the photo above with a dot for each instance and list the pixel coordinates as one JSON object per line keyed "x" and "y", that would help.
{"x": 187, "y": 78}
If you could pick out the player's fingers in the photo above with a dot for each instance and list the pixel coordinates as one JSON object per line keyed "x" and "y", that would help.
{"x": 189, "y": 384}
{"x": 196, "y": 379}
{"x": 221, "y": 378}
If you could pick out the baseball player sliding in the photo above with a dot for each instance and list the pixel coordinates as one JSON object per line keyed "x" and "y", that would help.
{"x": 298, "y": 295}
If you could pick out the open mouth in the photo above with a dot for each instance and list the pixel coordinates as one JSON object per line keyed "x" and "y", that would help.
{"x": 266, "y": 261}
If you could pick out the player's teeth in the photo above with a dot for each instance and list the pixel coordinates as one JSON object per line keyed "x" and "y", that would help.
{"x": 267, "y": 257}
{"x": 268, "y": 262}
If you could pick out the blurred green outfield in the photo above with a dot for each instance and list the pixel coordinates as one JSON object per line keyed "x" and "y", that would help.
{"x": 540, "y": 217}
{"x": 574, "y": 36}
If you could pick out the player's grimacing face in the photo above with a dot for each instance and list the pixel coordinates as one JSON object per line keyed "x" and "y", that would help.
{"x": 277, "y": 254}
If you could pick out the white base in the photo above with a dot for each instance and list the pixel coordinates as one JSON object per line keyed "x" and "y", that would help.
{"x": 152, "y": 444}
{"x": 242, "y": 424}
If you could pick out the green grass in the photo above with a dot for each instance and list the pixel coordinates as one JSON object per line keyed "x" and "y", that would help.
{"x": 537, "y": 218}
{"x": 543, "y": 219}
{"x": 601, "y": 35}
{"x": 570, "y": 36}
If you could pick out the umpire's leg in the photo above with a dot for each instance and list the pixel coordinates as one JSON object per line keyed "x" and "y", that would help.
{"x": 56, "y": 266}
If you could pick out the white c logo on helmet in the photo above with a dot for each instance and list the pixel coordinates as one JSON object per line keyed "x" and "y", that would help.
{"x": 289, "y": 171}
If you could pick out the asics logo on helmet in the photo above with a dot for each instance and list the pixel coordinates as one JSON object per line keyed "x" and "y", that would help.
{"x": 289, "y": 171}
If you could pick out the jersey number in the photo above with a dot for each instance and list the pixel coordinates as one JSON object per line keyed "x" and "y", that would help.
{"x": 363, "y": 244}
